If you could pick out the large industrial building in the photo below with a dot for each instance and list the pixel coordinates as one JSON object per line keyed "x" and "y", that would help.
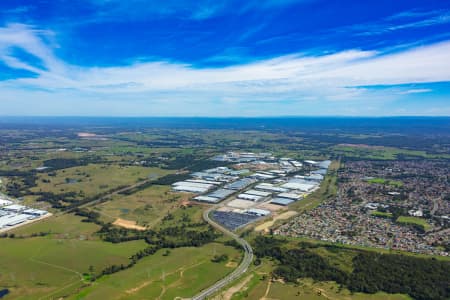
{"x": 15, "y": 214}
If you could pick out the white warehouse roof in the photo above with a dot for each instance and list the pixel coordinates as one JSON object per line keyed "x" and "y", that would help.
{"x": 305, "y": 187}
{"x": 4, "y": 202}
{"x": 207, "y": 199}
{"x": 192, "y": 189}
{"x": 258, "y": 193}
{"x": 15, "y": 207}
{"x": 290, "y": 196}
{"x": 249, "y": 197}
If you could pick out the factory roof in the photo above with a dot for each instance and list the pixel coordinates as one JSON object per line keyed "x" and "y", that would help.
{"x": 221, "y": 193}
{"x": 15, "y": 207}
{"x": 263, "y": 176}
{"x": 320, "y": 171}
{"x": 193, "y": 184}
{"x": 4, "y": 202}
{"x": 324, "y": 164}
{"x": 299, "y": 186}
{"x": 240, "y": 184}
{"x": 249, "y": 197}
{"x": 281, "y": 201}
{"x": 270, "y": 187}
{"x": 13, "y": 219}
{"x": 204, "y": 181}
{"x": 314, "y": 177}
{"x": 258, "y": 193}
{"x": 191, "y": 189}
{"x": 290, "y": 196}
{"x": 207, "y": 199}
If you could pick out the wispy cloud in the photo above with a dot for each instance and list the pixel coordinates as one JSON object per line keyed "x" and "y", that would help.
{"x": 196, "y": 10}
{"x": 415, "y": 13}
{"x": 415, "y": 91}
{"x": 400, "y": 21}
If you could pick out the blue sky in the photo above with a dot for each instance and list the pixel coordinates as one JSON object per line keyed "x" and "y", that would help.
{"x": 224, "y": 58}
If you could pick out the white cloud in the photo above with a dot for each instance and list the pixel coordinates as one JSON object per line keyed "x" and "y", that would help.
{"x": 415, "y": 91}
{"x": 331, "y": 77}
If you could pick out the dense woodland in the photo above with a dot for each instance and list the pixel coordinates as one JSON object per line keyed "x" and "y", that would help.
{"x": 420, "y": 278}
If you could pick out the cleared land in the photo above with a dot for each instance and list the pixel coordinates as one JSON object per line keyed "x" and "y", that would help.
{"x": 127, "y": 224}
{"x": 268, "y": 224}
{"x": 147, "y": 207}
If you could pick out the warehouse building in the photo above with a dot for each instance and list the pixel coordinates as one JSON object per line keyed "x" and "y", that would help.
{"x": 13, "y": 219}
{"x": 314, "y": 177}
{"x": 221, "y": 193}
{"x": 292, "y": 196}
{"x": 270, "y": 187}
{"x": 14, "y": 208}
{"x": 324, "y": 164}
{"x": 207, "y": 199}
{"x": 282, "y": 201}
{"x": 35, "y": 212}
{"x": 263, "y": 176}
{"x": 205, "y": 186}
{"x": 204, "y": 181}
{"x": 304, "y": 187}
{"x": 249, "y": 197}
{"x": 240, "y": 184}
{"x": 258, "y": 193}
{"x": 4, "y": 202}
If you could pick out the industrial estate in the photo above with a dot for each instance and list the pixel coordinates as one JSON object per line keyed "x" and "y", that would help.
{"x": 256, "y": 185}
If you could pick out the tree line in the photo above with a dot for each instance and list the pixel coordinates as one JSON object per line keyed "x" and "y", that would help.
{"x": 421, "y": 278}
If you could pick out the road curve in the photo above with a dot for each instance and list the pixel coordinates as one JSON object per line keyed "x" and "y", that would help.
{"x": 241, "y": 269}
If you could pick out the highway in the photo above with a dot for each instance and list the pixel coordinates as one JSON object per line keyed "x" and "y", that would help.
{"x": 241, "y": 269}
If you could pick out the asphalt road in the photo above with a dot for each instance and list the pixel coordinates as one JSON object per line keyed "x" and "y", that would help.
{"x": 241, "y": 269}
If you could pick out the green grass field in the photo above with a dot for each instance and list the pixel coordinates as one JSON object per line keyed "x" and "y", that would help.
{"x": 393, "y": 183}
{"x": 147, "y": 207}
{"x": 42, "y": 267}
{"x": 182, "y": 273}
{"x": 61, "y": 226}
{"x": 381, "y": 214}
{"x": 405, "y": 220}
{"x": 93, "y": 179}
